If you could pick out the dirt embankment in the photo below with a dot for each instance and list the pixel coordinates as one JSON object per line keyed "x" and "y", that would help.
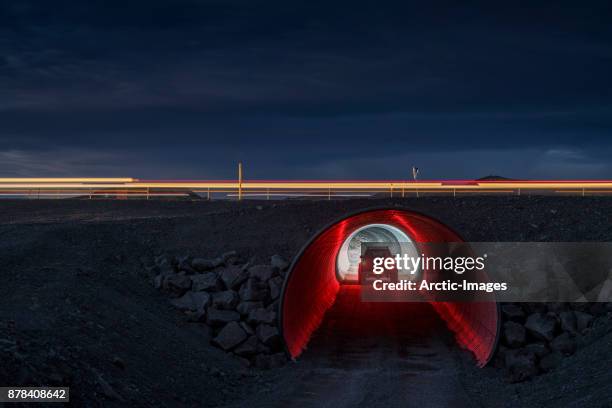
{"x": 76, "y": 308}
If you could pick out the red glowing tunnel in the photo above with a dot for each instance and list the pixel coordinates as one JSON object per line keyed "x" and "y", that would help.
{"x": 312, "y": 284}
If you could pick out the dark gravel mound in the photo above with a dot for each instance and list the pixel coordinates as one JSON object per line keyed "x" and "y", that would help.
{"x": 77, "y": 307}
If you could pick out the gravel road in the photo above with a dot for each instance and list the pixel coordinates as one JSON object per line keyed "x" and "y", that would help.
{"x": 375, "y": 354}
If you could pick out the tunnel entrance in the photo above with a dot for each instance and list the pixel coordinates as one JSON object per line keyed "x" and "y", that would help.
{"x": 322, "y": 292}
{"x": 388, "y": 237}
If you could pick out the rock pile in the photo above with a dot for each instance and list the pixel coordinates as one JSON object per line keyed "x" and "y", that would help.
{"x": 238, "y": 301}
{"x": 536, "y": 336}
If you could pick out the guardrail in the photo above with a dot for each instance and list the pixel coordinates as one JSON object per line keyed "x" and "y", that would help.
{"x": 134, "y": 188}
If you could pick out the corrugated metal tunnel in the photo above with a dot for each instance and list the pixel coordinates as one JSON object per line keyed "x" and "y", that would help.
{"x": 314, "y": 278}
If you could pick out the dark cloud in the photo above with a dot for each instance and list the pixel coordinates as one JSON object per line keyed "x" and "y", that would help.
{"x": 295, "y": 86}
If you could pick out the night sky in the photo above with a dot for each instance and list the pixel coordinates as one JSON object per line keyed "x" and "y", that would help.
{"x": 304, "y": 90}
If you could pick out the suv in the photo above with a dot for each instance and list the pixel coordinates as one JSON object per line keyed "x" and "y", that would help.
{"x": 366, "y": 275}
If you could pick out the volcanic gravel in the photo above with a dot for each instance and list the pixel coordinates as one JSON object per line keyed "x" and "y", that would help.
{"x": 77, "y": 307}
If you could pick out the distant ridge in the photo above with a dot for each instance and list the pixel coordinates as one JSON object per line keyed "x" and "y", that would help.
{"x": 493, "y": 177}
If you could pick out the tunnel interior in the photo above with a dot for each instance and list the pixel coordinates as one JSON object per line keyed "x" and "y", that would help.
{"x": 321, "y": 294}
{"x": 349, "y": 254}
{"x": 355, "y": 334}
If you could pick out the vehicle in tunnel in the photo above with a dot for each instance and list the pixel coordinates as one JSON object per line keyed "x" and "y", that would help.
{"x": 366, "y": 266}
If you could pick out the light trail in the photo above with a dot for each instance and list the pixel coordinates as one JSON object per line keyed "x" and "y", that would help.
{"x": 297, "y": 195}
{"x": 67, "y": 180}
{"x": 61, "y": 194}
{"x": 132, "y": 187}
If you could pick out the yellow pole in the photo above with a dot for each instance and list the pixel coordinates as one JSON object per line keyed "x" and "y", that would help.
{"x": 240, "y": 181}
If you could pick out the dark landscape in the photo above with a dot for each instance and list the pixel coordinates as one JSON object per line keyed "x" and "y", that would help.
{"x": 79, "y": 306}
{"x": 210, "y": 203}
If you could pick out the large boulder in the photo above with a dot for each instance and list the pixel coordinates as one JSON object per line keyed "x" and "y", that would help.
{"x": 194, "y": 301}
{"x": 201, "y": 264}
{"x": 568, "y": 321}
{"x": 244, "y": 308}
{"x": 275, "y": 285}
{"x": 249, "y": 348}
{"x": 207, "y": 281}
{"x": 583, "y": 320}
{"x": 541, "y": 326}
{"x": 278, "y": 262}
{"x": 233, "y": 276}
{"x": 514, "y": 334}
{"x": 226, "y": 300}
{"x": 268, "y": 335}
{"x": 273, "y": 306}
{"x": 262, "y": 272}
{"x": 564, "y": 344}
{"x": 218, "y": 261}
{"x": 217, "y": 317}
{"x": 151, "y": 270}
{"x": 253, "y": 290}
{"x": 539, "y": 349}
{"x": 198, "y": 316}
{"x": 158, "y": 281}
{"x": 230, "y": 336}
{"x": 259, "y": 316}
{"x": 230, "y": 257}
{"x": 247, "y": 328}
{"x": 184, "y": 264}
{"x": 164, "y": 271}
{"x": 164, "y": 260}
{"x": 177, "y": 285}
